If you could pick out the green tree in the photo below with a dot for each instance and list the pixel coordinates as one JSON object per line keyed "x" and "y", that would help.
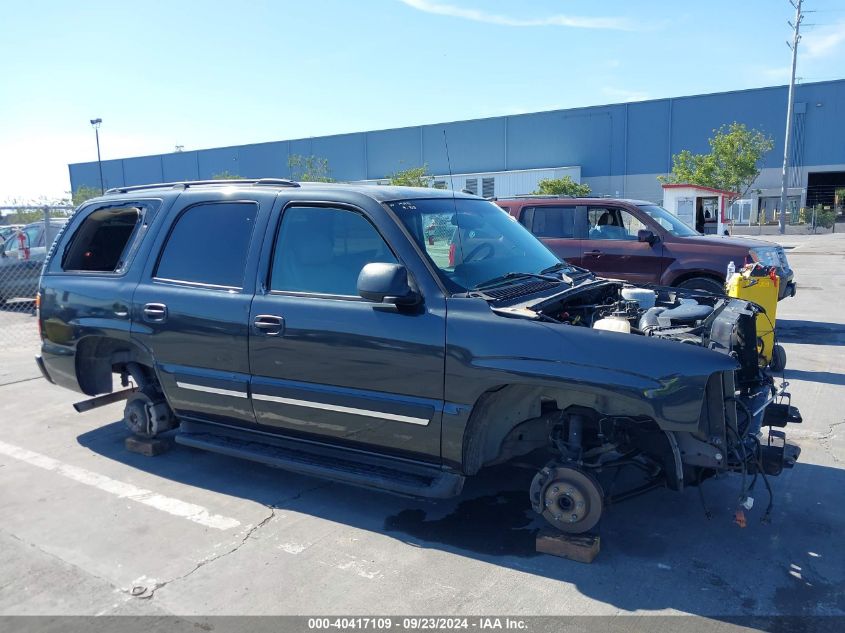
{"x": 26, "y": 210}
{"x": 825, "y": 217}
{"x": 309, "y": 168}
{"x": 413, "y": 177}
{"x": 83, "y": 193}
{"x": 26, "y": 216}
{"x": 733, "y": 163}
{"x": 561, "y": 187}
{"x": 225, "y": 175}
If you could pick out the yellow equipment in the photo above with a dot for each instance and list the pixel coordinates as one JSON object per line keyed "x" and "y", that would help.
{"x": 759, "y": 284}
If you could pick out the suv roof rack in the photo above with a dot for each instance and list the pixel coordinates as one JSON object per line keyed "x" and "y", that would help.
{"x": 185, "y": 184}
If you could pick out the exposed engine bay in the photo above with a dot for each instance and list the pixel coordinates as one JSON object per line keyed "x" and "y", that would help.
{"x": 686, "y": 316}
{"x": 664, "y": 312}
{"x": 737, "y": 404}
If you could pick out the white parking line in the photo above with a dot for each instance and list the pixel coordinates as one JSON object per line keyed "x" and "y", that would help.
{"x": 190, "y": 511}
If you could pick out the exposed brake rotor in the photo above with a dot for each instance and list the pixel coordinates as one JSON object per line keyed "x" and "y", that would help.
{"x": 146, "y": 417}
{"x": 569, "y": 499}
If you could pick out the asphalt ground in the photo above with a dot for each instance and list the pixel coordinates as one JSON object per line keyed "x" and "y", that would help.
{"x": 88, "y": 528}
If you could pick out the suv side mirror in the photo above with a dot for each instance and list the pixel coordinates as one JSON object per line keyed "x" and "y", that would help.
{"x": 644, "y": 235}
{"x": 387, "y": 283}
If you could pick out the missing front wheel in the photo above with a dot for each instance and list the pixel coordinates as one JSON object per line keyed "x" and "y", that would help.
{"x": 570, "y": 499}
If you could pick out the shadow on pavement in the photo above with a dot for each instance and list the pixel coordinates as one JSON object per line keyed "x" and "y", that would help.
{"x": 828, "y": 377}
{"x": 659, "y": 551}
{"x": 810, "y": 332}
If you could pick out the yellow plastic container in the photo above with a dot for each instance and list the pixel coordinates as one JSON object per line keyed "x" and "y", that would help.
{"x": 750, "y": 285}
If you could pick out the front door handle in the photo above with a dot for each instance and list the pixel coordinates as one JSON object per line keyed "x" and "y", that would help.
{"x": 269, "y": 324}
{"x": 593, "y": 252}
{"x": 155, "y": 312}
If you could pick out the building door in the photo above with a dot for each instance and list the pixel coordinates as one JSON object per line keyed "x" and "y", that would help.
{"x": 740, "y": 211}
{"x": 769, "y": 209}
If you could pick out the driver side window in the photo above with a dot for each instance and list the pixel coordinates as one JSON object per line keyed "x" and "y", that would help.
{"x": 608, "y": 223}
{"x": 321, "y": 250}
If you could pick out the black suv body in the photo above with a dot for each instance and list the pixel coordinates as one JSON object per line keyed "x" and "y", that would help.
{"x": 322, "y": 328}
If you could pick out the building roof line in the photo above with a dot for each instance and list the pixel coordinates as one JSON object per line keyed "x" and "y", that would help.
{"x": 596, "y": 107}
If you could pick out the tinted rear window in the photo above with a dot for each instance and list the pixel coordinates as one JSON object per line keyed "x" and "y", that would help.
{"x": 209, "y": 244}
{"x": 553, "y": 222}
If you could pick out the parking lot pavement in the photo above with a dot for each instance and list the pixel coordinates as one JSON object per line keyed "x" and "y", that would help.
{"x": 18, "y": 340}
{"x": 86, "y": 527}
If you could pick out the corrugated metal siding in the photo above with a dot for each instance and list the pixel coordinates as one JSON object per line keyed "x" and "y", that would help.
{"x": 142, "y": 170}
{"x": 605, "y": 141}
{"x": 267, "y": 160}
{"x": 474, "y": 146}
{"x": 180, "y": 166}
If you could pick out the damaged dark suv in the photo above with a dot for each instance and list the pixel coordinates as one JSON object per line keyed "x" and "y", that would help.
{"x": 327, "y": 329}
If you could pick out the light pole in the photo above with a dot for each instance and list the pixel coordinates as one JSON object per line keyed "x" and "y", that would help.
{"x": 96, "y": 123}
{"x": 796, "y": 37}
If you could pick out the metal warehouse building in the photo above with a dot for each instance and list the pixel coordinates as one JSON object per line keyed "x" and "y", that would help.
{"x": 618, "y": 149}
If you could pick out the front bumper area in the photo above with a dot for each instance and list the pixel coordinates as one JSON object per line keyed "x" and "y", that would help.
{"x": 777, "y": 454}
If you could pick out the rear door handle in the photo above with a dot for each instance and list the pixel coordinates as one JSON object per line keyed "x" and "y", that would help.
{"x": 269, "y": 324}
{"x": 156, "y": 312}
{"x": 593, "y": 252}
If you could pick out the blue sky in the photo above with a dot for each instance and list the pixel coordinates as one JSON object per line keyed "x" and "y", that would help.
{"x": 212, "y": 73}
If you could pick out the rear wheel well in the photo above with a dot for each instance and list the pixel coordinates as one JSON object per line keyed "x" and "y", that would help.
{"x": 98, "y": 357}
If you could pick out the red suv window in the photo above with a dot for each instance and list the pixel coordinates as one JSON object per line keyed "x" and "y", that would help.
{"x": 558, "y": 222}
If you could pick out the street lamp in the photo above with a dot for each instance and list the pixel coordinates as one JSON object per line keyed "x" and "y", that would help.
{"x": 96, "y": 123}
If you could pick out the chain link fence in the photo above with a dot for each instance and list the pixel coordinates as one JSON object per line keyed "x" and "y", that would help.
{"x": 26, "y": 235}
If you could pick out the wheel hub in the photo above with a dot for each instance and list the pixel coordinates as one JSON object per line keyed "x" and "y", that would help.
{"x": 146, "y": 417}
{"x": 569, "y": 499}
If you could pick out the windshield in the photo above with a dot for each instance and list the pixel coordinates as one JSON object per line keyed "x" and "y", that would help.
{"x": 472, "y": 241}
{"x": 669, "y": 221}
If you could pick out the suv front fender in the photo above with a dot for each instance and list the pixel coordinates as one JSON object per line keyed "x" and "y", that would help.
{"x": 614, "y": 374}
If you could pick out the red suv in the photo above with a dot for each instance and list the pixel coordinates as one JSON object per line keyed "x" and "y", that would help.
{"x": 640, "y": 242}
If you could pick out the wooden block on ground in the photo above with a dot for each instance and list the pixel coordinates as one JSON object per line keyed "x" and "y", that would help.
{"x": 146, "y": 446}
{"x": 580, "y": 547}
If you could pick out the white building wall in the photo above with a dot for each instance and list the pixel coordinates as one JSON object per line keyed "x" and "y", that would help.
{"x": 505, "y": 183}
